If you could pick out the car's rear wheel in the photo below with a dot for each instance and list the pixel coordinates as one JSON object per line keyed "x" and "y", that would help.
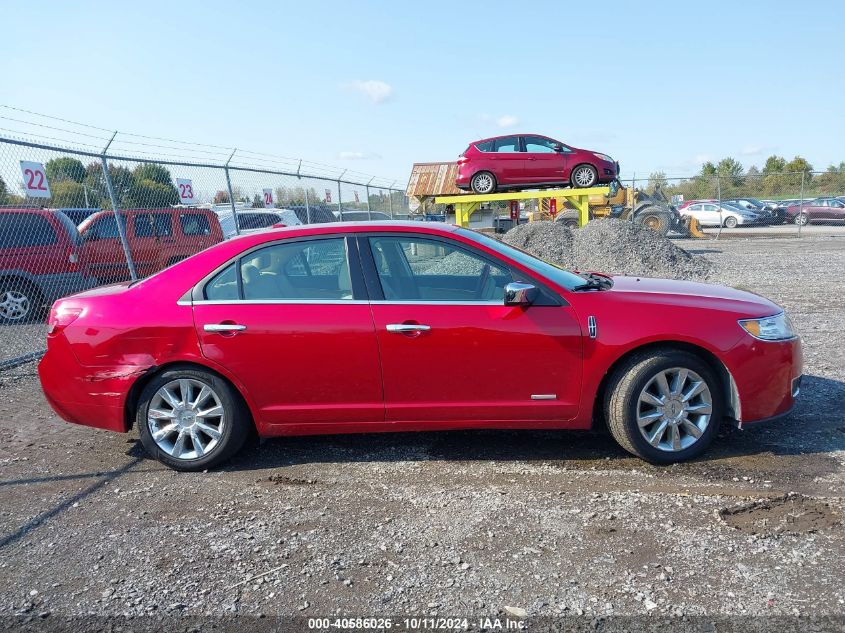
{"x": 584, "y": 176}
{"x": 730, "y": 222}
{"x": 803, "y": 219}
{"x": 664, "y": 406}
{"x": 191, "y": 419}
{"x": 20, "y": 301}
{"x": 483, "y": 182}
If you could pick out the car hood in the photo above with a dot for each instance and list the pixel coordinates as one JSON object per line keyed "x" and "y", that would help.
{"x": 693, "y": 294}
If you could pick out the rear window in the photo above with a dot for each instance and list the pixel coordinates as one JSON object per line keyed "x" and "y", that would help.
{"x": 247, "y": 221}
{"x": 153, "y": 224}
{"x": 22, "y": 230}
{"x": 194, "y": 224}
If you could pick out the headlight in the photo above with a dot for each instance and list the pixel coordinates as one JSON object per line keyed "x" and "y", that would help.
{"x": 603, "y": 157}
{"x": 773, "y": 328}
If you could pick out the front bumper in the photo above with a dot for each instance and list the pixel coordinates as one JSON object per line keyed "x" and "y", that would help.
{"x": 767, "y": 377}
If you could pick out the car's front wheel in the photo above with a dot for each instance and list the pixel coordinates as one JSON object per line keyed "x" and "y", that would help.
{"x": 664, "y": 406}
{"x": 483, "y": 182}
{"x": 730, "y": 222}
{"x": 191, "y": 419}
{"x": 584, "y": 176}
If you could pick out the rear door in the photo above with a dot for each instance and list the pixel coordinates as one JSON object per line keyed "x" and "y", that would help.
{"x": 102, "y": 248}
{"x": 144, "y": 243}
{"x": 293, "y": 324}
{"x": 196, "y": 227}
{"x": 507, "y": 161}
{"x": 542, "y": 162}
{"x": 452, "y": 351}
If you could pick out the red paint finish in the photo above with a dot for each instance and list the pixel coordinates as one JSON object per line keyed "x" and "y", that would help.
{"x": 332, "y": 367}
{"x": 521, "y": 160}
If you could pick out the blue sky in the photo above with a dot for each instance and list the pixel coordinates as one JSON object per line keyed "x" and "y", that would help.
{"x": 377, "y": 86}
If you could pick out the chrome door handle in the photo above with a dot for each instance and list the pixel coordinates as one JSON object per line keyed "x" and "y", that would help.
{"x": 223, "y": 327}
{"x": 407, "y": 327}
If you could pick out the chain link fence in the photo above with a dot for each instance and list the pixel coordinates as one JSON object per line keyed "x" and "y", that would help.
{"x": 75, "y": 219}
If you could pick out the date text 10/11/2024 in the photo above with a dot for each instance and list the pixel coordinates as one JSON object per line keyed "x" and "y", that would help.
{"x": 416, "y": 624}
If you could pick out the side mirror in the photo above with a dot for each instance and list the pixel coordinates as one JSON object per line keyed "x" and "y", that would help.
{"x": 518, "y": 293}
{"x": 557, "y": 147}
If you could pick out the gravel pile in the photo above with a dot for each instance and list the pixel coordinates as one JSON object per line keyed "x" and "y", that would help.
{"x": 611, "y": 246}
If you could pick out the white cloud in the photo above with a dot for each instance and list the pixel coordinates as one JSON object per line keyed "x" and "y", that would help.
{"x": 357, "y": 156}
{"x": 751, "y": 150}
{"x": 507, "y": 120}
{"x": 373, "y": 89}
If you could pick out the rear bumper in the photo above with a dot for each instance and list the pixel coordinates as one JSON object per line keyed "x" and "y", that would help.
{"x": 767, "y": 377}
{"x": 91, "y": 396}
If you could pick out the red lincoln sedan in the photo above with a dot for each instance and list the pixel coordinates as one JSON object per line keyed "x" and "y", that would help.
{"x": 530, "y": 160}
{"x": 351, "y": 327}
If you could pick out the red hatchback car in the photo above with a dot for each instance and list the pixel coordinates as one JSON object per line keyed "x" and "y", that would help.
{"x": 350, "y": 327}
{"x": 530, "y": 160}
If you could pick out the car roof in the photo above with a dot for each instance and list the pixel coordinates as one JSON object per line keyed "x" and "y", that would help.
{"x": 493, "y": 138}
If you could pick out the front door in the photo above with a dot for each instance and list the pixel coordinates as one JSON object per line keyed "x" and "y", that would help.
{"x": 285, "y": 320}
{"x": 103, "y": 250}
{"x": 543, "y": 163}
{"x": 452, "y": 351}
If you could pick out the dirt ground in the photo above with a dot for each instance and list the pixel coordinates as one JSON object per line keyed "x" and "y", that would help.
{"x": 564, "y": 526}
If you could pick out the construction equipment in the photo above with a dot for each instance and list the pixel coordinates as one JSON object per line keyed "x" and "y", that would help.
{"x": 627, "y": 203}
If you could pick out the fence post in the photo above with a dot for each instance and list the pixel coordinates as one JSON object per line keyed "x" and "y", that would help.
{"x": 801, "y": 205}
{"x": 719, "y": 196}
{"x": 367, "y": 188}
{"x": 307, "y": 208}
{"x": 633, "y": 192}
{"x": 231, "y": 195}
{"x": 339, "y": 205}
{"x": 121, "y": 229}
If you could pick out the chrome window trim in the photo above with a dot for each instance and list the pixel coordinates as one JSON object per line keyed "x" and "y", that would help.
{"x": 334, "y": 302}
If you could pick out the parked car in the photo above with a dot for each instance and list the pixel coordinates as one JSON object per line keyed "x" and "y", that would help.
{"x": 361, "y": 216}
{"x": 769, "y": 214}
{"x": 687, "y": 203}
{"x": 40, "y": 261}
{"x": 250, "y": 220}
{"x": 818, "y": 210}
{"x": 157, "y": 238}
{"x": 335, "y": 328}
{"x": 729, "y": 216}
{"x": 530, "y": 160}
{"x": 315, "y": 213}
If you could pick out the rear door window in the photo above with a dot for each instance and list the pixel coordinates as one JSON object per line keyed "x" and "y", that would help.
{"x": 23, "y": 230}
{"x": 162, "y": 224}
{"x": 194, "y": 224}
{"x": 507, "y": 144}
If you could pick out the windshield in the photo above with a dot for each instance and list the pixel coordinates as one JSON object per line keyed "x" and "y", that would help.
{"x": 552, "y": 272}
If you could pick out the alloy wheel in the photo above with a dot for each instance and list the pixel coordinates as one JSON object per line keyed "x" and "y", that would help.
{"x": 584, "y": 176}
{"x": 483, "y": 183}
{"x": 14, "y": 305}
{"x": 674, "y": 409}
{"x": 186, "y": 418}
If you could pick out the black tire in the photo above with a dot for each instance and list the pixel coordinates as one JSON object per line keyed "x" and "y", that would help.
{"x": 20, "y": 301}
{"x": 588, "y": 170}
{"x": 658, "y": 221}
{"x": 730, "y": 222}
{"x": 236, "y": 422}
{"x": 621, "y": 403}
{"x": 802, "y": 219}
{"x": 483, "y": 183}
{"x": 569, "y": 218}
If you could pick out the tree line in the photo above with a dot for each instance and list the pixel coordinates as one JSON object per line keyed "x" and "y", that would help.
{"x": 778, "y": 179}
{"x": 75, "y": 185}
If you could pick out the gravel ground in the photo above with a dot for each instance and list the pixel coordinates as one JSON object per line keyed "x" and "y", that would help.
{"x": 611, "y": 246}
{"x": 558, "y": 525}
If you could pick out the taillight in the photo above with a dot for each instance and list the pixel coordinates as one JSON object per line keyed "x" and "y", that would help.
{"x": 60, "y": 317}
